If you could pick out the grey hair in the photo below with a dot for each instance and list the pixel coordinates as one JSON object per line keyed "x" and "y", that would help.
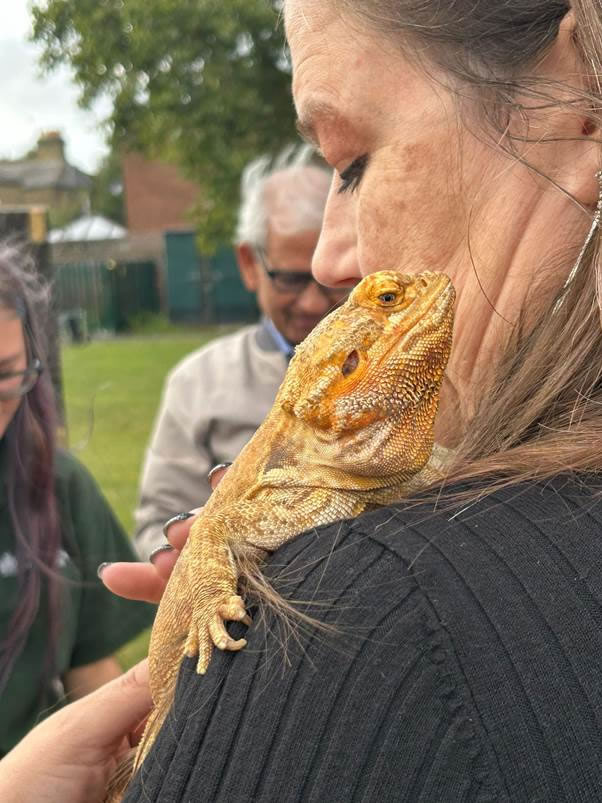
{"x": 289, "y": 192}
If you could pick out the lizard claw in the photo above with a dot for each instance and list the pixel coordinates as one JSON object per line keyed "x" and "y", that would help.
{"x": 234, "y": 610}
{"x": 209, "y": 630}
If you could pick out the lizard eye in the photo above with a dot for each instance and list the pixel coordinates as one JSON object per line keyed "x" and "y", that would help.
{"x": 350, "y": 363}
{"x": 388, "y": 298}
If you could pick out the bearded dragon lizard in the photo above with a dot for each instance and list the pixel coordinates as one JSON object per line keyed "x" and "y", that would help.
{"x": 351, "y": 428}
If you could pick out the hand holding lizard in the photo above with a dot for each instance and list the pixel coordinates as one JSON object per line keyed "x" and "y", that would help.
{"x": 147, "y": 581}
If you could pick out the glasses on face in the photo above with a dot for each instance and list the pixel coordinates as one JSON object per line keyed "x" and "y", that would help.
{"x": 14, "y": 384}
{"x": 295, "y": 282}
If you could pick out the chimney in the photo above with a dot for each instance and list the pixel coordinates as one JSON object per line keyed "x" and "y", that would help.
{"x": 51, "y": 147}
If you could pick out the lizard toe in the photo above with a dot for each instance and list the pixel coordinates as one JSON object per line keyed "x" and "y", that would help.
{"x": 205, "y": 650}
{"x": 191, "y": 646}
{"x": 221, "y": 638}
{"x": 233, "y": 609}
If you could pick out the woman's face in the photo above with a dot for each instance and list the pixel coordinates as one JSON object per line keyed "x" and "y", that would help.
{"x": 392, "y": 139}
{"x": 13, "y": 357}
{"x": 421, "y": 186}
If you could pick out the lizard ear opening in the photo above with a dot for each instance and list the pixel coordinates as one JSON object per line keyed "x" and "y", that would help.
{"x": 350, "y": 363}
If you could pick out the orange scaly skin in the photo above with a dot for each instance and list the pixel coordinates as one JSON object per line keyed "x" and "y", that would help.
{"x": 351, "y": 427}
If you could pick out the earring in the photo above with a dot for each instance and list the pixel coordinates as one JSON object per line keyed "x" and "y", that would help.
{"x": 588, "y": 239}
{"x": 596, "y": 222}
{"x": 599, "y": 287}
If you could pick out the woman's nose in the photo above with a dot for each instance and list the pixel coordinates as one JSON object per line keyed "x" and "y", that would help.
{"x": 335, "y": 258}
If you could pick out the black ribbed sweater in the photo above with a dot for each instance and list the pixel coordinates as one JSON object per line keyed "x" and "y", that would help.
{"x": 466, "y": 665}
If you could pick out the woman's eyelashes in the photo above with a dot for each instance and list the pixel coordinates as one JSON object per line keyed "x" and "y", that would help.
{"x": 352, "y": 175}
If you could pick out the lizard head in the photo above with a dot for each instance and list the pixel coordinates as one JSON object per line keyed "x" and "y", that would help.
{"x": 367, "y": 378}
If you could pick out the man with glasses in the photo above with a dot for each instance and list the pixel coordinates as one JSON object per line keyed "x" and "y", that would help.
{"x": 216, "y": 398}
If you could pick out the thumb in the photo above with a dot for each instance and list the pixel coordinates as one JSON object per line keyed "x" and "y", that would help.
{"x": 123, "y": 703}
{"x": 100, "y": 720}
{"x": 82, "y": 735}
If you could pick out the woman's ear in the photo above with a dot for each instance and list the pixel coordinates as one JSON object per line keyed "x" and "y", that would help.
{"x": 247, "y": 265}
{"x": 580, "y": 120}
{"x": 587, "y": 190}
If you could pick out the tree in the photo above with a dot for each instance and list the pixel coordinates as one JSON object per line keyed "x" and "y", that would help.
{"x": 203, "y": 83}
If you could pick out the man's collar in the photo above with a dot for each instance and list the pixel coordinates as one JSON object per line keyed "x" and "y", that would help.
{"x": 281, "y": 342}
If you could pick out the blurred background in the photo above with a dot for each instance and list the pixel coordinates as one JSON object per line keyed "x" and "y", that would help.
{"x": 126, "y": 124}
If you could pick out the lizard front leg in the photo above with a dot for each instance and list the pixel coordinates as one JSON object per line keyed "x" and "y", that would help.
{"x": 210, "y": 591}
{"x": 213, "y": 582}
{"x": 202, "y": 592}
{"x": 200, "y": 596}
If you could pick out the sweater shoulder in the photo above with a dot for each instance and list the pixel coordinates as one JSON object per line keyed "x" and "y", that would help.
{"x": 459, "y": 657}
{"x": 515, "y": 586}
{"x": 227, "y": 347}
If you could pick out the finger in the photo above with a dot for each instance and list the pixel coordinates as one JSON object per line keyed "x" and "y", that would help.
{"x": 91, "y": 729}
{"x": 164, "y": 561}
{"x": 118, "y": 707}
{"x": 177, "y": 533}
{"x": 216, "y": 474}
{"x": 139, "y": 581}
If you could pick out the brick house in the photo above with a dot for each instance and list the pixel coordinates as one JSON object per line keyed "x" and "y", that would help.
{"x": 157, "y": 197}
{"x": 45, "y": 178}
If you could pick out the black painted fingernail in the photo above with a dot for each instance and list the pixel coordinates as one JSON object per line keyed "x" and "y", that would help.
{"x": 102, "y": 567}
{"x": 219, "y": 467}
{"x": 158, "y": 550}
{"x": 174, "y": 519}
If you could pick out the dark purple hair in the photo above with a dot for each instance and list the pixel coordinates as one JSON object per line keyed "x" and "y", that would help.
{"x": 29, "y": 470}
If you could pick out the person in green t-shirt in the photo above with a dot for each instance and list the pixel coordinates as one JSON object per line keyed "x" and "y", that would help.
{"x": 59, "y": 627}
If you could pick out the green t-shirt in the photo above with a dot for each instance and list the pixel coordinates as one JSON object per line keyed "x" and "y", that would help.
{"x": 94, "y": 622}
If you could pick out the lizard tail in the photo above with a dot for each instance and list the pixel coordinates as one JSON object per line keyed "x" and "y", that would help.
{"x": 132, "y": 761}
{"x": 258, "y": 589}
{"x": 121, "y": 777}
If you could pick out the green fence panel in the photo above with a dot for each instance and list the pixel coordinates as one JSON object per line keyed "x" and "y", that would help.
{"x": 205, "y": 289}
{"x": 185, "y": 294}
{"x": 134, "y": 291}
{"x": 107, "y": 295}
{"x": 230, "y": 299}
{"x": 85, "y": 289}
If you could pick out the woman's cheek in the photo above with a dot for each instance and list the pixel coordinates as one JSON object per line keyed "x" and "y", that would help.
{"x": 408, "y": 226}
{"x": 380, "y": 227}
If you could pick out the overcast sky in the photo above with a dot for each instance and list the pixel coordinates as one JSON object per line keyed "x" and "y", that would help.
{"x": 31, "y": 103}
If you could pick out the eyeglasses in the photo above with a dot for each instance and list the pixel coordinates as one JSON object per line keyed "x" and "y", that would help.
{"x": 15, "y": 384}
{"x": 295, "y": 282}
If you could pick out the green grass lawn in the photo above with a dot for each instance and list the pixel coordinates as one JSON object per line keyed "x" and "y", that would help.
{"x": 112, "y": 391}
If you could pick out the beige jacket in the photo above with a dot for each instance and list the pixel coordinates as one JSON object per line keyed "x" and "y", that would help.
{"x": 213, "y": 401}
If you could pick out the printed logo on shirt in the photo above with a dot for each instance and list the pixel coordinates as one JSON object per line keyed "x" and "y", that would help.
{"x": 9, "y": 565}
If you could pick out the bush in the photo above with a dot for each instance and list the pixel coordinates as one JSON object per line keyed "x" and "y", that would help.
{"x": 149, "y": 323}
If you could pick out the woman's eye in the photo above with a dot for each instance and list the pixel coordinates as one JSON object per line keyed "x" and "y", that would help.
{"x": 352, "y": 175}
